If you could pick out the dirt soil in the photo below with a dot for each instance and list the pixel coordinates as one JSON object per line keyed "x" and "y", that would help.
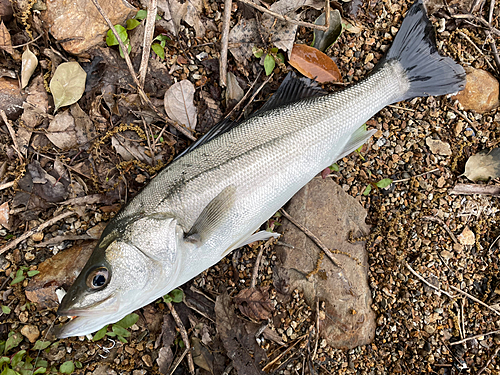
{"x": 433, "y": 256}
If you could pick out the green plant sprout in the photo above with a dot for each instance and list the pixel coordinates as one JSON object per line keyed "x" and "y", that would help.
{"x": 382, "y": 184}
{"x": 118, "y": 330}
{"x": 272, "y": 58}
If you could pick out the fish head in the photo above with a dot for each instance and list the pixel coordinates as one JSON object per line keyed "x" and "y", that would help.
{"x": 125, "y": 272}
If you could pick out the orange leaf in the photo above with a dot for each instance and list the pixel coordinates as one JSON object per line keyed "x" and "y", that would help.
{"x": 314, "y": 64}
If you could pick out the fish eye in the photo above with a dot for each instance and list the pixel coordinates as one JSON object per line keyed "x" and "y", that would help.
{"x": 97, "y": 278}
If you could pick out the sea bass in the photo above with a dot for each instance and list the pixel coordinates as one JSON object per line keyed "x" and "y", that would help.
{"x": 212, "y": 199}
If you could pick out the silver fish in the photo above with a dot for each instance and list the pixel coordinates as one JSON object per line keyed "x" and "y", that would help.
{"x": 213, "y": 198}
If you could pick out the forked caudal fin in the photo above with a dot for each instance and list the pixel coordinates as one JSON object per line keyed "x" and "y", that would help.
{"x": 414, "y": 48}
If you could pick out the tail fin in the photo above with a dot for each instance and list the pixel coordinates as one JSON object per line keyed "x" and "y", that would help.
{"x": 414, "y": 48}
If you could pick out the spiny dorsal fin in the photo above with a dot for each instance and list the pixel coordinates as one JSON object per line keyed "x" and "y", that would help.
{"x": 212, "y": 216}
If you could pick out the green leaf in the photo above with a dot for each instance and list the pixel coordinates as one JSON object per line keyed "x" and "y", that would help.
{"x": 5, "y": 309}
{"x": 111, "y": 39}
{"x": 141, "y": 14}
{"x": 110, "y": 334}
{"x": 13, "y": 341}
{"x": 367, "y": 190}
{"x": 273, "y": 50}
{"x": 132, "y": 24}
{"x": 167, "y": 298}
{"x": 269, "y": 64}
{"x": 9, "y": 236}
{"x": 33, "y": 273}
{"x": 159, "y": 50}
{"x": 40, "y": 370}
{"x": 100, "y": 334}
{"x": 41, "y": 363}
{"x": 177, "y": 295}
{"x": 17, "y": 279}
{"x": 4, "y": 360}
{"x": 68, "y": 84}
{"x": 382, "y": 184}
{"x": 40, "y": 345}
{"x": 18, "y": 357}
{"x": 128, "y": 321}
{"x": 324, "y": 39}
{"x": 120, "y": 331}
{"x": 67, "y": 367}
{"x": 8, "y": 371}
{"x": 78, "y": 364}
{"x": 257, "y": 52}
{"x": 122, "y": 339}
{"x": 281, "y": 57}
{"x": 334, "y": 167}
{"x": 129, "y": 48}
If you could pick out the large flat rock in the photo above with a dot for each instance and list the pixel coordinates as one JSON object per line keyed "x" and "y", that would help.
{"x": 330, "y": 213}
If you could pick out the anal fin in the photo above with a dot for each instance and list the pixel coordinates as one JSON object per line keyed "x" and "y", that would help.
{"x": 263, "y": 235}
{"x": 358, "y": 139}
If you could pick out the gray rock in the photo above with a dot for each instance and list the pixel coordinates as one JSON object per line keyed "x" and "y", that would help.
{"x": 330, "y": 213}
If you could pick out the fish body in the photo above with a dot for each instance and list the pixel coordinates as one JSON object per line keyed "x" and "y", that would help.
{"x": 212, "y": 199}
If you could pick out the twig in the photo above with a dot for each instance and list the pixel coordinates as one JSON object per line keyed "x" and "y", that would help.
{"x": 12, "y": 244}
{"x": 443, "y": 224}
{"x": 418, "y": 175}
{"x": 7, "y": 185}
{"x": 495, "y": 353}
{"x": 403, "y": 108}
{"x": 224, "y": 43}
{"x": 288, "y": 19}
{"x": 255, "y": 271}
{"x": 140, "y": 89}
{"x": 178, "y": 362}
{"x": 184, "y": 336}
{"x": 468, "y": 189}
{"x": 12, "y": 134}
{"x": 426, "y": 282}
{"x": 474, "y": 337}
{"x": 28, "y": 43}
{"x": 148, "y": 38}
{"x": 311, "y": 235}
{"x": 475, "y": 299}
{"x": 67, "y": 166}
{"x": 493, "y": 243}
{"x": 266, "y": 367}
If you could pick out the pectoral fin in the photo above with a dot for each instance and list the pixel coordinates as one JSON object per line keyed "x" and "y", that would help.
{"x": 212, "y": 216}
{"x": 263, "y": 235}
{"x": 358, "y": 138}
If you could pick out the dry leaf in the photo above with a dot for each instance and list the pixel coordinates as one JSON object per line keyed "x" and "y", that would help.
{"x": 61, "y": 131}
{"x": 4, "y": 215}
{"x": 5, "y": 42}
{"x": 68, "y": 84}
{"x": 234, "y": 91}
{"x": 255, "y": 303}
{"x": 179, "y": 103}
{"x": 483, "y": 166}
{"x": 11, "y": 98}
{"x": 314, "y": 64}
{"x": 128, "y": 146}
{"x": 202, "y": 356}
{"x": 192, "y": 18}
{"x": 29, "y": 64}
{"x": 324, "y": 39}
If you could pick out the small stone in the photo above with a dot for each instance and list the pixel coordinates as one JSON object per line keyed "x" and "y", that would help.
{"x": 37, "y": 237}
{"x": 430, "y": 329}
{"x": 446, "y": 254}
{"x": 30, "y": 332}
{"x": 481, "y": 91}
{"x": 438, "y": 147}
{"x": 467, "y": 237}
{"x": 146, "y": 358}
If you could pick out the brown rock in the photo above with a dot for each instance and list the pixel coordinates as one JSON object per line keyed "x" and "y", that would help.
{"x": 11, "y": 98}
{"x": 480, "y": 93}
{"x": 326, "y": 210}
{"x": 438, "y": 147}
{"x": 81, "y": 24}
{"x": 30, "y": 332}
{"x": 59, "y": 271}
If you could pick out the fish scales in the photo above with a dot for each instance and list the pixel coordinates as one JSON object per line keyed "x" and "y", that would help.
{"x": 212, "y": 199}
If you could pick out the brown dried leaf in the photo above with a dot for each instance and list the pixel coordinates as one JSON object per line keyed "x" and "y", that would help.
{"x": 179, "y": 103}
{"x": 5, "y": 42}
{"x": 61, "y": 131}
{"x": 255, "y": 303}
{"x": 4, "y": 215}
{"x": 68, "y": 84}
{"x": 202, "y": 356}
{"x": 11, "y": 98}
{"x": 28, "y": 66}
{"x": 314, "y": 64}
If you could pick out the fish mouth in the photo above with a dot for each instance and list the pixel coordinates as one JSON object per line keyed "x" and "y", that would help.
{"x": 108, "y": 305}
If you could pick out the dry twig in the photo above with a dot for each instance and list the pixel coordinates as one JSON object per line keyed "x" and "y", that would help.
{"x": 148, "y": 38}
{"x": 426, "y": 282}
{"x": 474, "y": 337}
{"x": 184, "y": 336}
{"x": 468, "y": 189}
{"x": 443, "y": 224}
{"x": 495, "y": 353}
{"x": 12, "y": 244}
{"x": 224, "y": 43}
{"x": 475, "y": 299}
{"x": 12, "y": 135}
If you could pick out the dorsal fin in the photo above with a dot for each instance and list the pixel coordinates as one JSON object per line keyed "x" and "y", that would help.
{"x": 292, "y": 89}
